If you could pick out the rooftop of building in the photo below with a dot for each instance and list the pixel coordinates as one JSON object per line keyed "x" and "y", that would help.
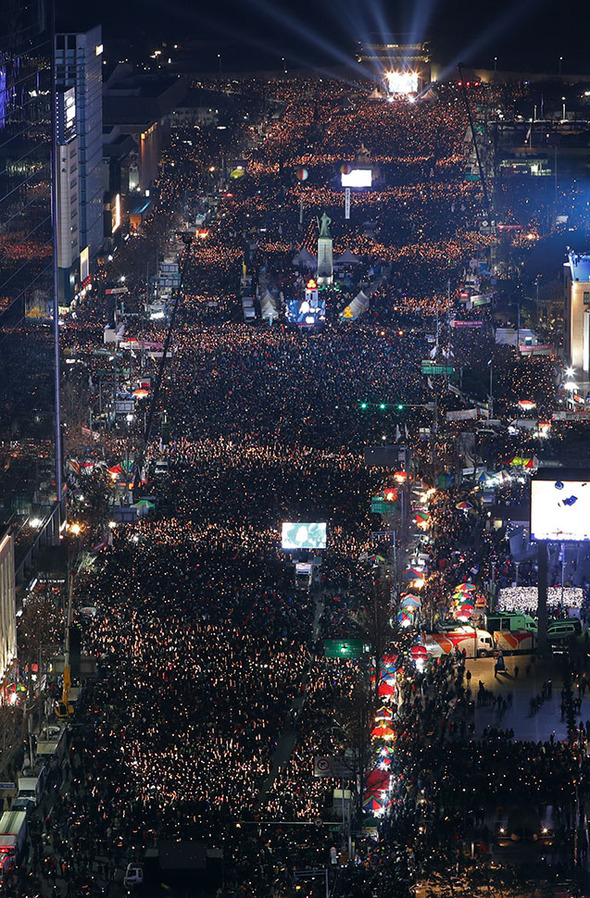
{"x": 133, "y": 98}
{"x": 579, "y": 265}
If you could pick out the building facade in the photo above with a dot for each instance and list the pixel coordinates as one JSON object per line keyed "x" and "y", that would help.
{"x": 26, "y": 228}
{"x": 7, "y": 605}
{"x": 78, "y": 65}
{"x": 68, "y": 204}
{"x": 577, "y": 314}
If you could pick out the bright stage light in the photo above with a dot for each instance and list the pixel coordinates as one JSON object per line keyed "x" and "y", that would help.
{"x": 402, "y": 83}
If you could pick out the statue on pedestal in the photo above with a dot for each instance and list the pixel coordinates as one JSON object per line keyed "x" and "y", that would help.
{"x": 324, "y": 225}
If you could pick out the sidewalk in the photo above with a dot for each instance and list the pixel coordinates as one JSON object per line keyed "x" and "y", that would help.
{"x": 527, "y": 727}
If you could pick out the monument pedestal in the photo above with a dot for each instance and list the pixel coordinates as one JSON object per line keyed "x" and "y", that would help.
{"x": 325, "y": 261}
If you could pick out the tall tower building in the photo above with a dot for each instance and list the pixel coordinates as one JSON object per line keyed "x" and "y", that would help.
{"x": 78, "y": 65}
{"x": 68, "y": 205}
{"x": 25, "y": 155}
{"x": 7, "y": 604}
{"x": 26, "y": 229}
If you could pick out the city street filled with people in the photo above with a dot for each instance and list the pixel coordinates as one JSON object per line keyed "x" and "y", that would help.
{"x": 216, "y": 693}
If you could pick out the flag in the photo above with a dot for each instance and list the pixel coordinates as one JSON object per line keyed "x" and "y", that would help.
{"x": 397, "y": 433}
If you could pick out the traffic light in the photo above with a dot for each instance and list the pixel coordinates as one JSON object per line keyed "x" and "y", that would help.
{"x": 364, "y": 405}
{"x": 382, "y": 406}
{"x": 400, "y": 406}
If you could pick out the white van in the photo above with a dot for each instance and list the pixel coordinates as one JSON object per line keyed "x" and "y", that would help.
{"x": 133, "y": 875}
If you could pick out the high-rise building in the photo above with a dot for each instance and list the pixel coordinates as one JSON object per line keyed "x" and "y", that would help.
{"x": 577, "y": 313}
{"x": 7, "y": 604}
{"x": 26, "y": 233}
{"x": 78, "y": 65}
{"x": 67, "y": 193}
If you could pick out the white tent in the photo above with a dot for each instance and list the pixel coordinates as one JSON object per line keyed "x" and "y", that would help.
{"x": 268, "y": 309}
{"x": 347, "y": 258}
{"x": 305, "y": 259}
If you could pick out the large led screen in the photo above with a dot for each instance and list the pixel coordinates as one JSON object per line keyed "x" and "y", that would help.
{"x": 303, "y": 536}
{"x": 402, "y": 83}
{"x": 305, "y": 312}
{"x": 358, "y": 177}
{"x": 560, "y": 510}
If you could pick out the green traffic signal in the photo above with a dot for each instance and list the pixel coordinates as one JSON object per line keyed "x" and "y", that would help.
{"x": 363, "y": 404}
{"x": 382, "y": 406}
{"x": 400, "y": 406}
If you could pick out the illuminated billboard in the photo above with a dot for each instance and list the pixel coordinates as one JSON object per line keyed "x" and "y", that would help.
{"x": 303, "y": 535}
{"x": 402, "y": 83}
{"x": 560, "y": 506}
{"x": 65, "y": 115}
{"x": 357, "y": 177}
{"x": 116, "y": 214}
{"x": 84, "y": 265}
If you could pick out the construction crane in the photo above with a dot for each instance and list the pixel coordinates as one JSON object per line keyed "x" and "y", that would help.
{"x": 482, "y": 175}
{"x": 63, "y": 708}
{"x": 187, "y": 238}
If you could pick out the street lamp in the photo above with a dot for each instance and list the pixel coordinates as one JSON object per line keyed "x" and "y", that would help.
{"x": 284, "y": 65}
{"x": 560, "y": 61}
{"x": 495, "y": 63}
{"x": 219, "y": 63}
{"x": 563, "y": 109}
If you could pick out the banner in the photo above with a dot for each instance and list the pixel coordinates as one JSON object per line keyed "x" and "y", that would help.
{"x": 456, "y": 322}
{"x": 464, "y": 414}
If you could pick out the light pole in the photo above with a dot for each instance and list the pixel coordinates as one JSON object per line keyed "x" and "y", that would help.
{"x": 284, "y": 65}
{"x": 219, "y": 65}
{"x": 560, "y": 61}
{"x": 491, "y": 402}
{"x": 495, "y": 63}
{"x": 563, "y": 109}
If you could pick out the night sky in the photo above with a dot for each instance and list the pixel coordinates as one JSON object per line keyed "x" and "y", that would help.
{"x": 523, "y": 34}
